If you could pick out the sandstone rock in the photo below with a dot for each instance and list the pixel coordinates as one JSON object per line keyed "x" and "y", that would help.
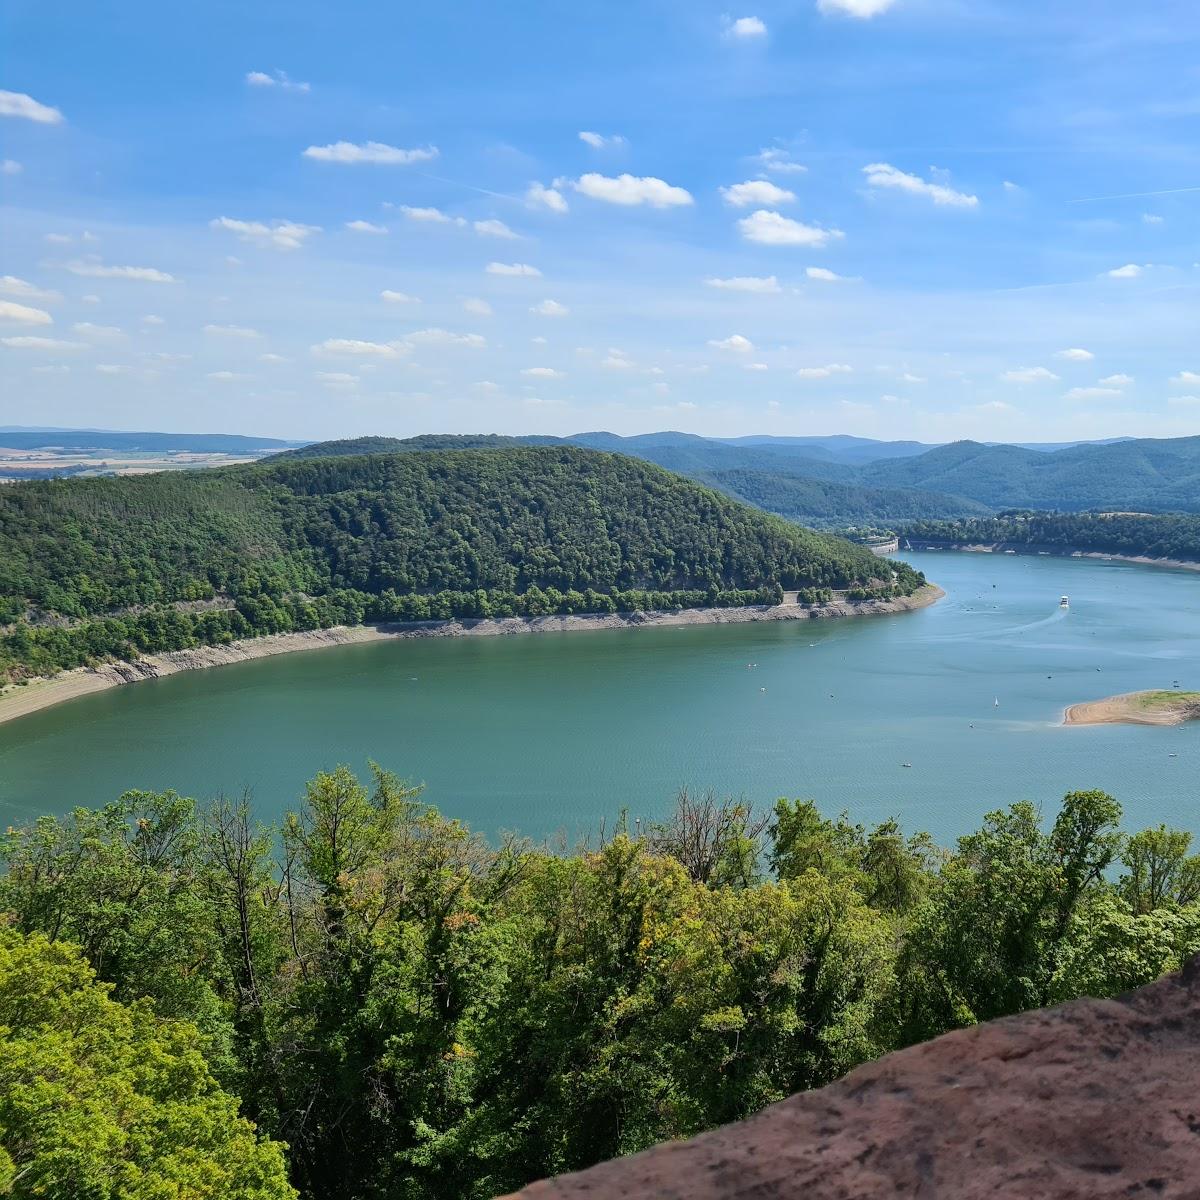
{"x": 1092, "y": 1100}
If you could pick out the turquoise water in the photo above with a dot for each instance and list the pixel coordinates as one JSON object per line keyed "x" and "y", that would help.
{"x": 554, "y": 732}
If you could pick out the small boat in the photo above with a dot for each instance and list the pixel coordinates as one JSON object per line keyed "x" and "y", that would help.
{"x": 996, "y": 702}
{"x": 1065, "y": 602}
{"x": 906, "y": 764}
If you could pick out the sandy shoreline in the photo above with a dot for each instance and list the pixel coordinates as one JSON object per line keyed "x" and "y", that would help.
{"x": 20, "y": 701}
{"x": 1040, "y": 551}
{"x": 1132, "y": 709}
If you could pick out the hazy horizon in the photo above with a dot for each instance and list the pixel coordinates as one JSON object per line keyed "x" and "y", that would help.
{"x": 897, "y": 219}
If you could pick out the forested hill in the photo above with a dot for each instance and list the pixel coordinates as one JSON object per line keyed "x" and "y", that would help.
{"x": 108, "y": 567}
{"x": 1169, "y": 535}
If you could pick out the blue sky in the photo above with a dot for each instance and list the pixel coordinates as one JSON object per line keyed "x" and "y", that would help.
{"x": 916, "y": 218}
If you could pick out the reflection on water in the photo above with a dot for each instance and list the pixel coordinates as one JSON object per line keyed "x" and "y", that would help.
{"x": 557, "y": 731}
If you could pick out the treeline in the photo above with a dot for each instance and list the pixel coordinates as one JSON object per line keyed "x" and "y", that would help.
{"x": 94, "y": 568}
{"x": 417, "y": 1013}
{"x": 1170, "y": 535}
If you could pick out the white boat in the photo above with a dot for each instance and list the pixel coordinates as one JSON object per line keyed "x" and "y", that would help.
{"x": 1065, "y": 602}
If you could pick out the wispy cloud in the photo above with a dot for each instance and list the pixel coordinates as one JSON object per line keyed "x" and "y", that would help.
{"x": 1029, "y": 375}
{"x": 276, "y": 79}
{"x": 18, "y": 104}
{"x": 539, "y": 196}
{"x": 600, "y": 141}
{"x": 98, "y": 270}
{"x": 862, "y": 9}
{"x": 824, "y": 372}
{"x": 375, "y": 153}
{"x": 884, "y": 175}
{"x": 763, "y": 284}
{"x": 549, "y": 308}
{"x": 1075, "y": 354}
{"x": 23, "y": 314}
{"x": 756, "y": 191}
{"x": 745, "y": 28}
{"x": 365, "y": 227}
{"x": 498, "y": 268}
{"x": 279, "y": 235}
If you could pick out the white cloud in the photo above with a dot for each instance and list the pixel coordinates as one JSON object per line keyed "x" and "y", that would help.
{"x": 550, "y": 308}
{"x": 337, "y": 381}
{"x": 746, "y": 283}
{"x": 1128, "y": 271}
{"x": 778, "y": 160}
{"x": 546, "y": 197}
{"x": 365, "y": 227}
{"x": 755, "y": 191}
{"x": 377, "y": 153}
{"x": 771, "y": 229}
{"x": 477, "y": 307}
{"x": 543, "y": 373}
{"x": 884, "y": 175}
{"x": 494, "y": 228}
{"x": 756, "y": 366}
{"x": 30, "y": 342}
{"x": 1118, "y": 380}
{"x": 1091, "y": 393}
{"x": 113, "y": 369}
{"x": 598, "y": 141}
{"x": 630, "y": 190}
{"x": 1152, "y": 219}
{"x": 224, "y": 376}
{"x": 443, "y": 337}
{"x": 272, "y": 359}
{"x": 17, "y": 104}
{"x": 497, "y": 268}
{"x": 96, "y": 270}
{"x": 487, "y": 385}
{"x": 103, "y": 332}
{"x": 232, "y": 331}
{"x": 1028, "y": 375}
{"x": 10, "y": 166}
{"x": 10, "y": 285}
{"x": 277, "y": 79}
{"x": 823, "y": 372}
{"x": 281, "y": 235}
{"x": 359, "y": 348}
{"x": 825, "y": 275}
{"x": 1011, "y": 187}
{"x": 735, "y": 344}
{"x": 863, "y": 9}
{"x": 10, "y": 310}
{"x": 433, "y": 215}
{"x": 391, "y": 297}
{"x": 745, "y": 27}
{"x": 909, "y": 377}
{"x": 616, "y": 360}
{"x": 1075, "y": 354}
{"x": 1190, "y": 377}
{"x": 151, "y": 319}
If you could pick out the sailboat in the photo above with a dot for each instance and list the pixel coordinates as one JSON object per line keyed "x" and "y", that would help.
{"x": 996, "y": 702}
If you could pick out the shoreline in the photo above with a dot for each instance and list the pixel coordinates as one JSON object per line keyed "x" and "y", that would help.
{"x": 1043, "y": 551}
{"x": 18, "y": 701}
{"x": 1135, "y": 708}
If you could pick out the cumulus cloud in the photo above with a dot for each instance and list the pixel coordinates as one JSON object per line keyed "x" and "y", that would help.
{"x": 771, "y": 229}
{"x": 756, "y": 191}
{"x": 391, "y": 297}
{"x": 862, "y": 9}
{"x": 11, "y": 285}
{"x": 365, "y": 227}
{"x": 279, "y": 235}
{"x": 23, "y": 314}
{"x": 823, "y": 372}
{"x": 498, "y": 268}
{"x": 631, "y": 190}
{"x": 1091, "y": 393}
{"x": 433, "y": 215}
{"x": 103, "y": 332}
{"x": 1028, "y": 375}
{"x": 232, "y": 331}
{"x": 550, "y": 308}
{"x": 745, "y": 27}
{"x": 33, "y": 342}
{"x": 735, "y": 344}
{"x": 764, "y": 285}
{"x": 1128, "y": 271}
{"x": 277, "y": 79}
{"x": 1188, "y": 377}
{"x": 443, "y": 337}
{"x": 1118, "y": 380}
{"x": 375, "y": 153}
{"x": 543, "y": 373}
{"x": 825, "y": 275}
{"x": 779, "y": 161}
{"x": 494, "y": 228}
{"x": 18, "y": 104}
{"x": 360, "y": 349}
{"x": 539, "y": 196}
{"x": 1075, "y": 354}
{"x": 600, "y": 141}
{"x": 884, "y": 175}
{"x": 10, "y": 166}
{"x": 151, "y": 319}
{"x": 98, "y": 270}
{"x": 477, "y": 307}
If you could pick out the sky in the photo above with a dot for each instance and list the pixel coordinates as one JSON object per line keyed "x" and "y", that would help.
{"x": 933, "y": 219}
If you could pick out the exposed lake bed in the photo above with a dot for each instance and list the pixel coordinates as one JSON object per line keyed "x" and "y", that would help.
{"x": 558, "y": 732}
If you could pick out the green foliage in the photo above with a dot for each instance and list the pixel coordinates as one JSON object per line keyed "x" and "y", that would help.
{"x": 419, "y": 1014}
{"x": 101, "y": 568}
{"x": 110, "y": 1102}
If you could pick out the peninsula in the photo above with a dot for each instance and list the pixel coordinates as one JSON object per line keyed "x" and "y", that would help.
{"x": 1137, "y": 708}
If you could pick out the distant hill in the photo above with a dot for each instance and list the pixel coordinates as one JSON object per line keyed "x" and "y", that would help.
{"x": 424, "y": 441}
{"x": 99, "y": 567}
{"x": 14, "y": 438}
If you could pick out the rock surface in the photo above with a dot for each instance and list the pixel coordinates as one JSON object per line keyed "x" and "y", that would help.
{"x": 1092, "y": 1100}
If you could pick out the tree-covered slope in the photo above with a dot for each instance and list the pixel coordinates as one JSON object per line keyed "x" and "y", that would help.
{"x": 96, "y": 567}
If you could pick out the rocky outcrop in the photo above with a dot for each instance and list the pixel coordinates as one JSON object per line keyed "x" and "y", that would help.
{"x": 1092, "y": 1100}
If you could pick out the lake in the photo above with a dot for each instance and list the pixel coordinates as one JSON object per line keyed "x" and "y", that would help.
{"x": 555, "y": 732}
